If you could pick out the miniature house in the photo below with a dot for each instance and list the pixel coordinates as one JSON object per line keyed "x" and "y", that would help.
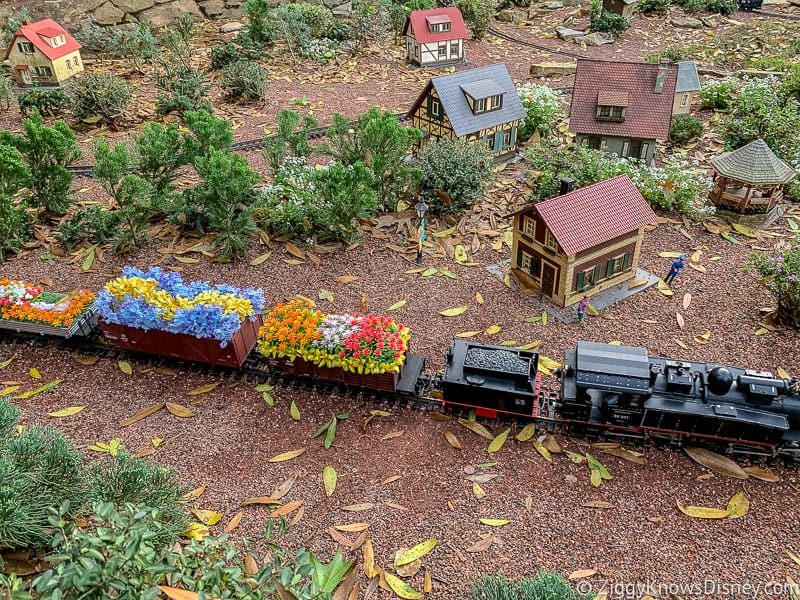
{"x": 435, "y": 38}
{"x": 748, "y": 183}
{"x": 581, "y": 242}
{"x": 620, "y": 7}
{"x": 686, "y": 87}
{"x": 43, "y": 53}
{"x": 474, "y": 105}
{"x": 622, "y": 107}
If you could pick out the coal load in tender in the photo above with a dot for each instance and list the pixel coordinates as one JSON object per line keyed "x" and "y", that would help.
{"x": 503, "y": 361}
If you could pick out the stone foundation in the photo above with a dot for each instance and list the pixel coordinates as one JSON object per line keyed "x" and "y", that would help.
{"x": 762, "y": 219}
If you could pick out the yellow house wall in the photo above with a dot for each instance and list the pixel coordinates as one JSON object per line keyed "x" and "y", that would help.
{"x": 677, "y": 109}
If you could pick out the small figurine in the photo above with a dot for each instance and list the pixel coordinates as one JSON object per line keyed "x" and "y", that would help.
{"x": 582, "y": 306}
{"x": 675, "y": 269}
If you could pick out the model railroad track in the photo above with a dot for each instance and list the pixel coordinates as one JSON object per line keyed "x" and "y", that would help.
{"x": 510, "y": 38}
{"x": 773, "y": 15}
{"x": 241, "y": 146}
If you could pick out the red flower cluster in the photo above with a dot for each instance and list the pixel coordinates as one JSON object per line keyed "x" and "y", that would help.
{"x": 380, "y": 338}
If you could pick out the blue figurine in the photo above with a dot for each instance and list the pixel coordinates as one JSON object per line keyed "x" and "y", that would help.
{"x": 675, "y": 269}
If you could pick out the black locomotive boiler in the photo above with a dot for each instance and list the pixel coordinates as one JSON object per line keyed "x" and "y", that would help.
{"x": 622, "y": 390}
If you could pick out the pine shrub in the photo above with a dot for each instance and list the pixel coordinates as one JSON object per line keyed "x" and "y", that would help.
{"x": 245, "y": 81}
{"x": 99, "y": 97}
{"x": 543, "y": 586}
{"x": 654, "y": 7}
{"x": 47, "y": 101}
{"x": 6, "y": 93}
{"x": 684, "y": 128}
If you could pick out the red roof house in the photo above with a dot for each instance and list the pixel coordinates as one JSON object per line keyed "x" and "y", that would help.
{"x": 622, "y": 107}
{"x": 581, "y": 242}
{"x": 435, "y": 37}
{"x": 43, "y": 53}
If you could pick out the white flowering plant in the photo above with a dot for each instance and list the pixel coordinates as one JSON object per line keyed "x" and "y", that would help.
{"x": 543, "y": 109}
{"x": 780, "y": 274}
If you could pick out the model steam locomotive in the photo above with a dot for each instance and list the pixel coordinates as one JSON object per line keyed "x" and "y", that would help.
{"x": 603, "y": 389}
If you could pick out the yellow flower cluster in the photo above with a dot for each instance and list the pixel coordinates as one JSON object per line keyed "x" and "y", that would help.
{"x": 146, "y": 289}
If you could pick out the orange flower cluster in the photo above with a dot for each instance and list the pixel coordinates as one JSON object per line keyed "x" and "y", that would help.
{"x": 289, "y": 328}
{"x": 55, "y": 318}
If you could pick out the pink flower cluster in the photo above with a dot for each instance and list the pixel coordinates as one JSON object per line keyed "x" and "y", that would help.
{"x": 379, "y": 338}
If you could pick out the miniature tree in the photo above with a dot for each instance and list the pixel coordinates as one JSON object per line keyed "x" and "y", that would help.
{"x": 47, "y": 101}
{"x": 208, "y": 132}
{"x": 6, "y": 93}
{"x": 132, "y": 194}
{"x": 780, "y": 274}
{"x": 14, "y": 219}
{"x": 159, "y": 153}
{"x": 382, "y": 143}
{"x": 137, "y": 45}
{"x": 47, "y": 151}
{"x": 289, "y": 140}
{"x": 477, "y": 15}
{"x": 245, "y": 81}
{"x": 455, "y": 170}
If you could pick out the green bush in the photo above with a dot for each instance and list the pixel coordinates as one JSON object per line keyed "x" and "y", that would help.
{"x": 542, "y": 109}
{"x": 260, "y": 26}
{"x": 116, "y": 556}
{"x": 99, "y": 97}
{"x": 322, "y": 204}
{"x": 780, "y": 274}
{"x": 678, "y": 185}
{"x": 718, "y": 93}
{"x": 543, "y": 586}
{"x": 290, "y": 140}
{"x": 224, "y": 54}
{"x": 183, "y": 88}
{"x": 654, "y": 7}
{"x": 381, "y": 143}
{"x": 478, "y": 15}
{"x": 47, "y": 151}
{"x": 47, "y": 101}
{"x": 137, "y": 45}
{"x": 13, "y": 23}
{"x": 15, "y": 223}
{"x": 6, "y": 93}
{"x": 459, "y": 169}
{"x": 723, "y": 7}
{"x": 608, "y": 22}
{"x": 245, "y": 81}
{"x": 95, "y": 224}
{"x": 39, "y": 471}
{"x": 670, "y": 53}
{"x": 684, "y": 128}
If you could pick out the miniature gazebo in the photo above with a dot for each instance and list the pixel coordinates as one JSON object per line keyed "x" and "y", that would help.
{"x": 748, "y": 184}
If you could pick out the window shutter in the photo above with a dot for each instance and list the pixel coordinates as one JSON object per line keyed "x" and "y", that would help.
{"x": 519, "y": 257}
{"x": 643, "y": 153}
{"x": 534, "y": 266}
{"x": 579, "y": 284}
{"x": 626, "y": 261}
{"x": 626, "y": 146}
{"x": 610, "y": 268}
{"x": 596, "y": 275}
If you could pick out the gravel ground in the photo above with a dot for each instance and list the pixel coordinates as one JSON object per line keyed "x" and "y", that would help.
{"x": 226, "y": 446}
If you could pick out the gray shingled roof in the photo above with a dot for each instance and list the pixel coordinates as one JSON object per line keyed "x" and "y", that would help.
{"x": 688, "y": 81}
{"x": 754, "y": 163}
{"x": 449, "y": 89}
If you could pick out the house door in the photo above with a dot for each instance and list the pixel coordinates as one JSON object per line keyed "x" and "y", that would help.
{"x": 548, "y": 279}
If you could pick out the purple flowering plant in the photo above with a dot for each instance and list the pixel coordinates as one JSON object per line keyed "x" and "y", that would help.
{"x": 158, "y": 299}
{"x": 780, "y": 274}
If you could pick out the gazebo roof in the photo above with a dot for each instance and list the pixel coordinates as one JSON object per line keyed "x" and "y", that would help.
{"x": 755, "y": 164}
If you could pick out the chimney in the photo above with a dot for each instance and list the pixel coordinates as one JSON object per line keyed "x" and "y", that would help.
{"x": 25, "y": 23}
{"x": 566, "y": 185}
{"x": 661, "y": 76}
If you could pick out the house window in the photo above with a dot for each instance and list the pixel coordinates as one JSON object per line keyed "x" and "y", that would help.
{"x": 437, "y": 27}
{"x": 685, "y": 99}
{"x": 587, "y": 279}
{"x": 75, "y": 60}
{"x": 610, "y": 113}
{"x": 595, "y": 143}
{"x": 436, "y": 108}
{"x": 68, "y": 62}
{"x": 490, "y": 141}
{"x": 454, "y": 49}
{"x": 480, "y": 105}
{"x": 550, "y": 242}
{"x": 57, "y": 41}
{"x": 618, "y": 264}
{"x": 25, "y": 47}
{"x": 528, "y": 227}
{"x": 443, "y": 50}
{"x": 44, "y": 71}
{"x": 626, "y": 147}
{"x": 506, "y": 138}
{"x": 643, "y": 151}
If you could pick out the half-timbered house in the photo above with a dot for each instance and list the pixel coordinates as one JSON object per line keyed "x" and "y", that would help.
{"x": 43, "y": 53}
{"x": 622, "y": 108}
{"x": 478, "y": 105}
{"x": 435, "y": 37}
{"x": 581, "y": 242}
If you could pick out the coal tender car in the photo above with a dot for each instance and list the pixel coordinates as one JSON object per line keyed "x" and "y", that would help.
{"x": 491, "y": 379}
{"x": 621, "y": 389}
